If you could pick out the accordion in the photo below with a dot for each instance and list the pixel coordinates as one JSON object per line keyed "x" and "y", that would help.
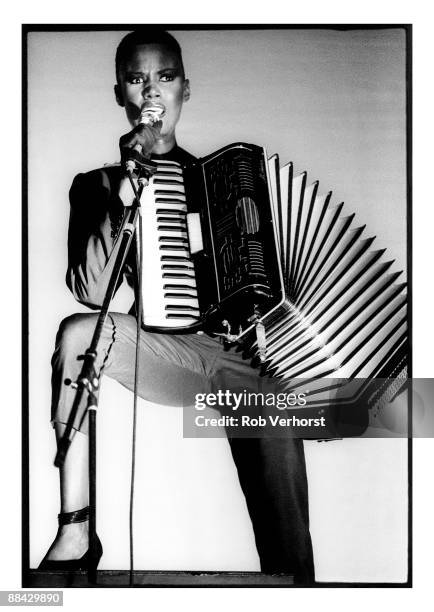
{"x": 259, "y": 248}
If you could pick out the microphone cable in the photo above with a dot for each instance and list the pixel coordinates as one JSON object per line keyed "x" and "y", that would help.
{"x": 139, "y": 306}
{"x": 150, "y": 114}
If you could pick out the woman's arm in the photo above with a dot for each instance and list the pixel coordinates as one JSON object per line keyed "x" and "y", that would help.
{"x": 95, "y": 215}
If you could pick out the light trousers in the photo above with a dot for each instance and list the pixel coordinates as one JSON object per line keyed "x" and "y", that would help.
{"x": 173, "y": 368}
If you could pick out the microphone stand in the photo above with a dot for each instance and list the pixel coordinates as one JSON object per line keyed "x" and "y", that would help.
{"x": 88, "y": 380}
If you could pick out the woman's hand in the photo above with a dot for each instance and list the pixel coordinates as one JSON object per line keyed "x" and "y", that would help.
{"x": 140, "y": 142}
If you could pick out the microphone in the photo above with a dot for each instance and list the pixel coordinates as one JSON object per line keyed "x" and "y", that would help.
{"x": 150, "y": 113}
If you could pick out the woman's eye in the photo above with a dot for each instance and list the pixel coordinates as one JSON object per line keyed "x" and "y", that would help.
{"x": 136, "y": 80}
{"x": 167, "y": 77}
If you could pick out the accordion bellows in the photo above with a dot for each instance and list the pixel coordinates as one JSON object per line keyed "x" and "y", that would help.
{"x": 344, "y": 315}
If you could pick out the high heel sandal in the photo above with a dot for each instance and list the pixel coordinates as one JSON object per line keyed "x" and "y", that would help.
{"x": 69, "y": 565}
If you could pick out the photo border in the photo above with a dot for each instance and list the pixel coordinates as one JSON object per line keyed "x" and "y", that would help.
{"x": 29, "y": 577}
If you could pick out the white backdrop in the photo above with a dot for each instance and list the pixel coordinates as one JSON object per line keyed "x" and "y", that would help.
{"x": 334, "y": 103}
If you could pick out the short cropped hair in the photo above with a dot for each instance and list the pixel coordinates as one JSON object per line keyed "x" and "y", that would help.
{"x": 146, "y": 35}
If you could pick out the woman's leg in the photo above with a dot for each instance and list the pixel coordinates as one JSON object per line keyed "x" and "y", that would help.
{"x": 73, "y": 338}
{"x": 71, "y": 541}
{"x": 171, "y": 369}
{"x": 272, "y": 474}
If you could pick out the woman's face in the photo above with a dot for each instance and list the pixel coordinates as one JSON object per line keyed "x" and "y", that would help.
{"x": 153, "y": 74}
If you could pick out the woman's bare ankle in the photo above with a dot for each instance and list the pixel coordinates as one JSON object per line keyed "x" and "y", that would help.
{"x": 71, "y": 542}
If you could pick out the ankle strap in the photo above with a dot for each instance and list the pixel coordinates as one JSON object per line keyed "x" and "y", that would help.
{"x": 78, "y": 516}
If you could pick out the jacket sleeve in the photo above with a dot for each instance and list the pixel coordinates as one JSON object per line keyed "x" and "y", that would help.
{"x": 92, "y": 241}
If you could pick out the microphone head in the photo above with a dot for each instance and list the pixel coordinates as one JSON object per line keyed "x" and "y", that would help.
{"x": 151, "y": 112}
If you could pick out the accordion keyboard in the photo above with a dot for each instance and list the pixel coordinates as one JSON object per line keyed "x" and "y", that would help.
{"x": 168, "y": 279}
